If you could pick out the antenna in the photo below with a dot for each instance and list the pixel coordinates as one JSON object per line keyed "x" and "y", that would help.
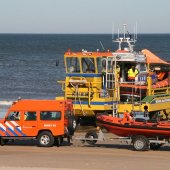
{"x": 118, "y": 33}
{"x": 113, "y": 31}
{"x": 126, "y": 38}
{"x": 134, "y": 34}
{"x": 136, "y": 30}
{"x": 102, "y": 45}
{"x": 124, "y": 31}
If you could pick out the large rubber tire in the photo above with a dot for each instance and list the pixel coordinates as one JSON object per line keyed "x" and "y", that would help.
{"x": 91, "y": 135}
{"x": 140, "y": 143}
{"x": 71, "y": 124}
{"x": 155, "y": 146}
{"x": 45, "y": 139}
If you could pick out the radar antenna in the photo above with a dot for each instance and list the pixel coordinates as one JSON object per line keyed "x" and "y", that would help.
{"x": 127, "y": 38}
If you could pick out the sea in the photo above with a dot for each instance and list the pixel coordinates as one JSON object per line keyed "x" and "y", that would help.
{"x": 28, "y": 61}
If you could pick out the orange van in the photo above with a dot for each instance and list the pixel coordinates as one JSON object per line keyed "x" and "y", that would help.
{"x": 47, "y": 121}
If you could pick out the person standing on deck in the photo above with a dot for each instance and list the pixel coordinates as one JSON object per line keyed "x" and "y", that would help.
{"x": 132, "y": 73}
{"x": 153, "y": 74}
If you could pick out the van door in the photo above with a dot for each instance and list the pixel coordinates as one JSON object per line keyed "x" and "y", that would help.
{"x": 29, "y": 124}
{"x": 53, "y": 121}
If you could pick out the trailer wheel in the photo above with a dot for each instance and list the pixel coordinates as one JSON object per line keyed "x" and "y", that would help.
{"x": 91, "y": 135}
{"x": 45, "y": 139}
{"x": 155, "y": 146}
{"x": 140, "y": 143}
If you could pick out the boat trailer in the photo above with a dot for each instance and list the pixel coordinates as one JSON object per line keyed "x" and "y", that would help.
{"x": 138, "y": 142}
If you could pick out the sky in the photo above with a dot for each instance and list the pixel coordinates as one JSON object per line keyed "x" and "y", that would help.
{"x": 83, "y": 16}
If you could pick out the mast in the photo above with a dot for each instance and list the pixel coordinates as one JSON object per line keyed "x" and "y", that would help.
{"x": 126, "y": 39}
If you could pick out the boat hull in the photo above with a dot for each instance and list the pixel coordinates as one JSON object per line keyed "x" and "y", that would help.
{"x": 135, "y": 128}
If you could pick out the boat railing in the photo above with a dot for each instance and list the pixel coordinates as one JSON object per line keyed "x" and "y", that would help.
{"x": 155, "y": 91}
{"x": 164, "y": 90}
{"x": 81, "y": 90}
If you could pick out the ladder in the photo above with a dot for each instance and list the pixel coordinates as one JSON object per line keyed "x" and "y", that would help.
{"x": 110, "y": 80}
{"x": 111, "y": 83}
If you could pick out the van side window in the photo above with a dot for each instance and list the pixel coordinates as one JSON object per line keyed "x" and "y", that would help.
{"x": 50, "y": 115}
{"x": 14, "y": 115}
{"x": 30, "y": 116}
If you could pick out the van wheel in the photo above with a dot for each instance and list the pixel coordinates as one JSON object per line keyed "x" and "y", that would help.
{"x": 45, "y": 139}
{"x": 140, "y": 143}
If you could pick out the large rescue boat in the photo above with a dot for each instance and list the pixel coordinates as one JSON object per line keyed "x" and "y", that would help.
{"x": 98, "y": 82}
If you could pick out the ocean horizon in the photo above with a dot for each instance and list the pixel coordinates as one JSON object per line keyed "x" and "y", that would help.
{"x": 28, "y": 61}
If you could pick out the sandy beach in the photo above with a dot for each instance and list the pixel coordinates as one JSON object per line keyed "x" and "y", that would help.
{"x": 106, "y": 155}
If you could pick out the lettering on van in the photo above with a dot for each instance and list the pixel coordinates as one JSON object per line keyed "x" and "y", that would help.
{"x": 49, "y": 125}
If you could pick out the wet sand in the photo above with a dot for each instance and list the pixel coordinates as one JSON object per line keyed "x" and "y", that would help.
{"x": 106, "y": 155}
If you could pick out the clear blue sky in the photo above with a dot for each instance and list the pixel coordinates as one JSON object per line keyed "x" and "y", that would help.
{"x": 83, "y": 16}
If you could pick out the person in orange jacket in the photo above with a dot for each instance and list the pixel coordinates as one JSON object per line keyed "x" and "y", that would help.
{"x": 127, "y": 115}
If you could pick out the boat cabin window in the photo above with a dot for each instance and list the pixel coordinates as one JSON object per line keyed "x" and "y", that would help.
{"x": 110, "y": 66}
{"x": 142, "y": 67}
{"x": 103, "y": 65}
{"x": 88, "y": 65}
{"x": 99, "y": 64}
{"x": 73, "y": 65}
